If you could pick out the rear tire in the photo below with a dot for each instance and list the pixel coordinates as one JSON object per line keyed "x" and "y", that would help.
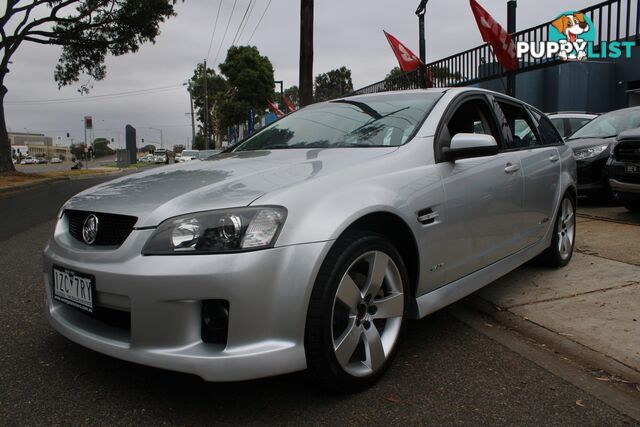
{"x": 357, "y": 312}
{"x": 560, "y": 251}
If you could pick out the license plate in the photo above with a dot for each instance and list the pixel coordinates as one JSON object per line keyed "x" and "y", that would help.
{"x": 73, "y": 288}
{"x": 632, "y": 169}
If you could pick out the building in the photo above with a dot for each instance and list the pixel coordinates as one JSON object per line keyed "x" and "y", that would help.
{"x": 37, "y": 145}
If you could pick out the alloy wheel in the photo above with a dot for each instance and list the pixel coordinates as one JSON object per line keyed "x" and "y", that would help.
{"x": 367, "y": 313}
{"x": 566, "y": 229}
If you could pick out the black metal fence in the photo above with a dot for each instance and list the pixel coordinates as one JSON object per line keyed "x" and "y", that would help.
{"x": 615, "y": 20}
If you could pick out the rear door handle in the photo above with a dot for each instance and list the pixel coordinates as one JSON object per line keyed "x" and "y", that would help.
{"x": 554, "y": 158}
{"x": 511, "y": 168}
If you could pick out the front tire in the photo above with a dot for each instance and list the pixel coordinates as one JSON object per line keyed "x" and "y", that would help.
{"x": 357, "y": 312}
{"x": 559, "y": 253}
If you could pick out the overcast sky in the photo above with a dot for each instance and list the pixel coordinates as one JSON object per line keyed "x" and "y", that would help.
{"x": 347, "y": 32}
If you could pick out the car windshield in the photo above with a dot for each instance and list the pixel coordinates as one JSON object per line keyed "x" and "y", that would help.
{"x": 385, "y": 120}
{"x": 189, "y": 153}
{"x": 609, "y": 125}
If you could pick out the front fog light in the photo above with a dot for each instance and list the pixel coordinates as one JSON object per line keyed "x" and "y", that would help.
{"x": 185, "y": 235}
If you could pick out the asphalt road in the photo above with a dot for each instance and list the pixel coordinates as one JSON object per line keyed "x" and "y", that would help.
{"x": 445, "y": 373}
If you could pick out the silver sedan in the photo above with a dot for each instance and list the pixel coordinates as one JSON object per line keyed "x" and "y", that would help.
{"x": 311, "y": 244}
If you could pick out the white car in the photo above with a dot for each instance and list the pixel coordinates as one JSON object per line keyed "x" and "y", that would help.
{"x": 56, "y": 160}
{"x": 188, "y": 155}
{"x": 29, "y": 161}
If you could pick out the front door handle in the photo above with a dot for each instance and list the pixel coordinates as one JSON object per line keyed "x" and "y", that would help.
{"x": 554, "y": 158}
{"x": 511, "y": 168}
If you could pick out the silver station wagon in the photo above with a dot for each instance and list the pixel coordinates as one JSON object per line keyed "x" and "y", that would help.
{"x": 310, "y": 244}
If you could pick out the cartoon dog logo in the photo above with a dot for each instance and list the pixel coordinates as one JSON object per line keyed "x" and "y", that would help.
{"x": 572, "y": 26}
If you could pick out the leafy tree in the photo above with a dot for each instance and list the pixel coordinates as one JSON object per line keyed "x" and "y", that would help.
{"x": 398, "y": 80}
{"x": 77, "y": 150}
{"x": 149, "y": 148}
{"x": 333, "y": 84}
{"x": 250, "y": 78}
{"x": 101, "y": 147}
{"x": 198, "y": 142}
{"x": 443, "y": 74}
{"x": 395, "y": 72}
{"x": 178, "y": 148}
{"x": 87, "y": 31}
{"x": 216, "y": 86}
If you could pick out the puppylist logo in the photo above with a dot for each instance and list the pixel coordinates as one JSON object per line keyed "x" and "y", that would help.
{"x": 573, "y": 36}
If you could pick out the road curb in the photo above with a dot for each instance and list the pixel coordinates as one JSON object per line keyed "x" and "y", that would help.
{"x": 580, "y": 354}
{"x": 619, "y": 395}
{"x": 605, "y": 218}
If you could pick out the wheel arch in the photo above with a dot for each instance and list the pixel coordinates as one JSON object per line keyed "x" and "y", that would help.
{"x": 398, "y": 232}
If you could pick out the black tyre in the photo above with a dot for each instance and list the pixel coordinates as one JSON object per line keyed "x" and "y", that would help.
{"x": 357, "y": 312}
{"x": 559, "y": 253}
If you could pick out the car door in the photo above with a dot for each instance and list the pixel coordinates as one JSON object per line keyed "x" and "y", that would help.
{"x": 483, "y": 194}
{"x": 536, "y": 147}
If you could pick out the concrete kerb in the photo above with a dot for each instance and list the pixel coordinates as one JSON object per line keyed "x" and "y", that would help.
{"x": 597, "y": 363}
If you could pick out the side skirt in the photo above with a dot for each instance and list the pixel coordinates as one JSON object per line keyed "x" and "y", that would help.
{"x": 452, "y": 292}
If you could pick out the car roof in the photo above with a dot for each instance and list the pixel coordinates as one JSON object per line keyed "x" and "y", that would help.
{"x": 572, "y": 114}
{"x": 442, "y": 90}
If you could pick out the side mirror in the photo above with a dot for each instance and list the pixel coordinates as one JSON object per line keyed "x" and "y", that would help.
{"x": 468, "y": 145}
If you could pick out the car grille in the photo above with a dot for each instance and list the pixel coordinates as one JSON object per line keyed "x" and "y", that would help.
{"x": 113, "y": 229}
{"x": 627, "y": 151}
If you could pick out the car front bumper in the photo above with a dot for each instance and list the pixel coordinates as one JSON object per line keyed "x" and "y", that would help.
{"x": 267, "y": 291}
{"x": 592, "y": 177}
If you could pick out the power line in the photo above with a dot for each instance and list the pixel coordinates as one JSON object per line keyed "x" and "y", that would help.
{"x": 258, "y": 24}
{"x": 98, "y": 97}
{"x": 241, "y": 22}
{"x": 215, "y": 61}
{"x": 213, "y": 33}
{"x": 247, "y": 21}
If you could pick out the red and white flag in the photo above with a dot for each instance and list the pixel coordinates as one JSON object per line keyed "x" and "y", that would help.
{"x": 275, "y": 109}
{"x": 407, "y": 60}
{"x": 503, "y": 46}
{"x": 289, "y": 104}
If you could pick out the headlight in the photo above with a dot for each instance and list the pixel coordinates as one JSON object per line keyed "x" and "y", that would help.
{"x": 228, "y": 230}
{"x": 589, "y": 152}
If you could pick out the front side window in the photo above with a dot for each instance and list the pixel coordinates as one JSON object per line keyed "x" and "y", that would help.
{"x": 473, "y": 116}
{"x": 519, "y": 124}
{"x": 386, "y": 120}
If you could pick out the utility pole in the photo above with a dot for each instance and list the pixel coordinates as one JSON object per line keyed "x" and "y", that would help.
{"x": 511, "y": 28}
{"x": 206, "y": 109}
{"x": 306, "y": 52}
{"x": 193, "y": 121}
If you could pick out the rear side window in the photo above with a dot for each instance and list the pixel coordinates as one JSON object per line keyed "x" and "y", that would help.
{"x": 518, "y": 121}
{"x": 548, "y": 132}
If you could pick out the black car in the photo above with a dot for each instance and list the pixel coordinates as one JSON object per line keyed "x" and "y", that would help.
{"x": 592, "y": 144}
{"x": 623, "y": 169}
